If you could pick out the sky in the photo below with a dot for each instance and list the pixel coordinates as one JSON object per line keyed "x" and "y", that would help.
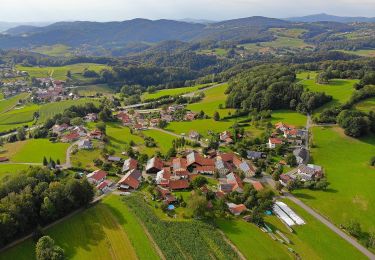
{"x": 119, "y": 10}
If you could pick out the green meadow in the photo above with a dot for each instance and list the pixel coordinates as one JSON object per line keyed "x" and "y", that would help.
{"x": 345, "y": 161}
{"x": 214, "y": 97}
{"x": 366, "y": 105}
{"x": 11, "y": 169}
{"x": 172, "y": 92}
{"x": 48, "y": 110}
{"x": 108, "y": 230}
{"x": 19, "y": 115}
{"x": 363, "y": 52}
{"x": 58, "y": 50}
{"x": 9, "y": 103}
{"x": 340, "y": 89}
{"x": 163, "y": 140}
{"x": 60, "y": 72}
{"x": 33, "y": 151}
{"x": 92, "y": 90}
{"x": 288, "y": 117}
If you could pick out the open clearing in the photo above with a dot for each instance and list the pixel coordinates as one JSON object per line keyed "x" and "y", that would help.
{"x": 363, "y": 52}
{"x": 11, "y": 169}
{"x": 163, "y": 140}
{"x": 366, "y": 105}
{"x": 60, "y": 72}
{"x": 92, "y": 90}
{"x": 33, "y": 151}
{"x": 288, "y": 117}
{"x": 58, "y": 50}
{"x": 340, "y": 89}
{"x": 172, "y": 92}
{"x": 345, "y": 161}
{"x": 19, "y": 116}
{"x": 107, "y": 230}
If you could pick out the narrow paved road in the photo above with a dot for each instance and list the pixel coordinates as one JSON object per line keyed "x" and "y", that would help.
{"x": 331, "y": 226}
{"x": 68, "y": 163}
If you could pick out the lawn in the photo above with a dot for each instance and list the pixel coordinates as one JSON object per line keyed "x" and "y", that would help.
{"x": 345, "y": 161}
{"x": 107, "y": 230}
{"x": 85, "y": 158}
{"x": 340, "y": 89}
{"x": 60, "y": 72}
{"x": 7, "y": 104}
{"x": 172, "y": 92}
{"x": 210, "y": 103}
{"x": 11, "y": 169}
{"x": 363, "y": 52}
{"x": 33, "y": 151}
{"x": 366, "y": 105}
{"x": 289, "y": 117}
{"x": 48, "y": 110}
{"x": 251, "y": 241}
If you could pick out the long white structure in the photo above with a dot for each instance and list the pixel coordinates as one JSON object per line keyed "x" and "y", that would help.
{"x": 290, "y": 213}
{"x": 282, "y": 215}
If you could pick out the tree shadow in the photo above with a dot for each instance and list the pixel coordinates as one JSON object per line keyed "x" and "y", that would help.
{"x": 303, "y": 196}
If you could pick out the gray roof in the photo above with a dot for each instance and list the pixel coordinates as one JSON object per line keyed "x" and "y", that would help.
{"x": 254, "y": 154}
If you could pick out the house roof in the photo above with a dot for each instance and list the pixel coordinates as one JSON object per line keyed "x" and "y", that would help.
{"x": 178, "y": 184}
{"x": 236, "y": 209}
{"x": 131, "y": 179}
{"x": 71, "y": 136}
{"x": 205, "y": 168}
{"x": 195, "y": 157}
{"x": 154, "y": 162}
{"x": 179, "y": 164}
{"x": 275, "y": 141}
{"x": 257, "y": 185}
{"x": 114, "y": 158}
{"x": 254, "y": 154}
{"x": 97, "y": 175}
{"x": 104, "y": 184}
{"x": 129, "y": 164}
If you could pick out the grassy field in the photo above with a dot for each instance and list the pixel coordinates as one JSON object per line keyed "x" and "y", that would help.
{"x": 33, "y": 151}
{"x": 60, "y": 72}
{"x": 106, "y": 231}
{"x": 311, "y": 241}
{"x": 58, "y": 50}
{"x": 7, "y": 104}
{"x": 363, "y": 52}
{"x": 120, "y": 137}
{"x": 171, "y": 92}
{"x": 251, "y": 241}
{"x": 11, "y": 169}
{"x": 366, "y": 105}
{"x": 163, "y": 140}
{"x": 216, "y": 51}
{"x": 91, "y": 90}
{"x": 213, "y": 98}
{"x": 19, "y": 115}
{"x": 288, "y": 117}
{"x": 340, "y": 89}
{"x": 346, "y": 163}
{"x": 48, "y": 110}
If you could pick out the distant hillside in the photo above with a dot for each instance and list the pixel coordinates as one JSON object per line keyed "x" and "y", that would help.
{"x": 138, "y": 30}
{"x": 330, "y": 18}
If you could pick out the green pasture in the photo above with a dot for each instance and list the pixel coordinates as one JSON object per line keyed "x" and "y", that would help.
{"x": 11, "y": 169}
{"x": 107, "y": 230}
{"x": 345, "y": 161}
{"x": 288, "y": 117}
{"x": 57, "y": 50}
{"x": 9, "y": 103}
{"x": 363, "y": 52}
{"x": 92, "y": 90}
{"x": 172, "y": 92}
{"x": 366, "y": 105}
{"x": 33, "y": 151}
{"x": 163, "y": 140}
{"x": 19, "y": 115}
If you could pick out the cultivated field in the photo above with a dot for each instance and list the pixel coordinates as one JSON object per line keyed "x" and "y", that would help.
{"x": 19, "y": 115}
{"x": 106, "y": 231}
{"x": 92, "y": 90}
{"x": 33, "y": 151}
{"x": 352, "y": 180}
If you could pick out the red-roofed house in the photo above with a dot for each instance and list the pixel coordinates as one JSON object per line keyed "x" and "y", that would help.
{"x": 178, "y": 184}
{"x": 257, "y": 185}
{"x": 273, "y": 142}
{"x": 73, "y": 136}
{"x": 236, "y": 209}
{"x": 97, "y": 176}
{"x": 129, "y": 164}
{"x": 131, "y": 180}
{"x": 154, "y": 165}
{"x": 104, "y": 186}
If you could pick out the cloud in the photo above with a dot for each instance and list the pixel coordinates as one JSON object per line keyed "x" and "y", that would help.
{"x": 107, "y": 10}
